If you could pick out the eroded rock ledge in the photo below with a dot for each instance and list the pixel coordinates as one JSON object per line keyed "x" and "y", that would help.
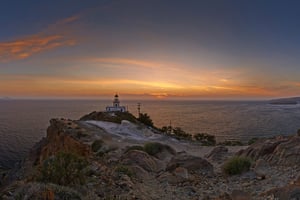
{"x": 79, "y": 159}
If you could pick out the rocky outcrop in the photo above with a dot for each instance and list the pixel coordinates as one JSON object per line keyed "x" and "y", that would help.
{"x": 218, "y": 154}
{"x": 287, "y": 153}
{"x": 150, "y": 168}
{"x": 143, "y": 160}
{"x": 61, "y": 136}
{"x": 283, "y": 151}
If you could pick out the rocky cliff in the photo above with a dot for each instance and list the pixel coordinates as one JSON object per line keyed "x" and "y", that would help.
{"x": 93, "y": 158}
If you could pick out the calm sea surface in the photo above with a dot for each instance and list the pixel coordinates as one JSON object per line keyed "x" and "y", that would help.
{"x": 24, "y": 122}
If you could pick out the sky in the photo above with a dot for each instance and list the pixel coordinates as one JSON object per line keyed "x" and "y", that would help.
{"x": 150, "y": 49}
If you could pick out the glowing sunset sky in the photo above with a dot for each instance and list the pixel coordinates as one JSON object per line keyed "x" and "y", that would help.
{"x": 203, "y": 49}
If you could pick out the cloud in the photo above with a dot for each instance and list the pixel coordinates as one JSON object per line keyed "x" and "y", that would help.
{"x": 125, "y": 61}
{"x": 52, "y": 37}
{"x": 26, "y": 47}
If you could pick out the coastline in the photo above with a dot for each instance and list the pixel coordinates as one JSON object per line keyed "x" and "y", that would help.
{"x": 127, "y": 160}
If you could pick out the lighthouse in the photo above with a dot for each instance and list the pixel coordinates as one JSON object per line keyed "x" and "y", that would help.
{"x": 116, "y": 106}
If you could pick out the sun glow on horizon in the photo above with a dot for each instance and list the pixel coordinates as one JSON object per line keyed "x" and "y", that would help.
{"x": 94, "y": 51}
{"x": 39, "y": 86}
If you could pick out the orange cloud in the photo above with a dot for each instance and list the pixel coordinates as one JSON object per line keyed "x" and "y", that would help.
{"x": 47, "y": 39}
{"x": 130, "y": 62}
{"x": 26, "y": 47}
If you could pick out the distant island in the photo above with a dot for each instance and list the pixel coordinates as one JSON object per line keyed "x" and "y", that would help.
{"x": 5, "y": 98}
{"x": 285, "y": 101}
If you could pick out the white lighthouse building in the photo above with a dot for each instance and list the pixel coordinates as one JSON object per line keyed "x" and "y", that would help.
{"x": 116, "y": 106}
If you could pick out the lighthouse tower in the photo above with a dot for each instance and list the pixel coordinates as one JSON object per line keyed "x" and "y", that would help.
{"x": 116, "y": 102}
{"x": 116, "y": 106}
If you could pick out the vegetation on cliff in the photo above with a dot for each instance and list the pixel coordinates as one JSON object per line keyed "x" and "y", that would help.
{"x": 115, "y": 117}
{"x": 145, "y": 119}
{"x": 152, "y": 148}
{"x": 237, "y": 165}
{"x": 63, "y": 169}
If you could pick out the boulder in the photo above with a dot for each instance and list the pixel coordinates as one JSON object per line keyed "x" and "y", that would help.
{"x": 143, "y": 160}
{"x": 218, "y": 154}
{"x": 289, "y": 192}
{"x": 192, "y": 163}
{"x": 181, "y": 172}
{"x": 166, "y": 153}
{"x": 179, "y": 175}
{"x": 261, "y": 169}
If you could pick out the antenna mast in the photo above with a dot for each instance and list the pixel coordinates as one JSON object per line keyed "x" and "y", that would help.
{"x": 139, "y": 109}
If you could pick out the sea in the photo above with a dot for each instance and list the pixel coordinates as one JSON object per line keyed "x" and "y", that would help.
{"x": 24, "y": 122}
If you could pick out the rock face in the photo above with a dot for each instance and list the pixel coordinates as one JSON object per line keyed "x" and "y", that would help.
{"x": 61, "y": 136}
{"x": 143, "y": 160}
{"x": 277, "y": 151}
{"x": 218, "y": 154}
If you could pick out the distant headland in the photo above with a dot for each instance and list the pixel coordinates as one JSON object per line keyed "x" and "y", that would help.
{"x": 285, "y": 101}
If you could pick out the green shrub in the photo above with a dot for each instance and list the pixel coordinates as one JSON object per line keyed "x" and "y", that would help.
{"x": 153, "y": 148}
{"x": 166, "y": 129}
{"x": 145, "y": 119}
{"x": 205, "y": 139}
{"x": 237, "y": 165}
{"x": 97, "y": 144}
{"x": 252, "y": 140}
{"x": 63, "y": 169}
{"x": 80, "y": 134}
{"x": 123, "y": 169}
{"x": 181, "y": 134}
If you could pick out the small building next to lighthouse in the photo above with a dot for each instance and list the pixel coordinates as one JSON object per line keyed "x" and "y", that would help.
{"x": 116, "y": 106}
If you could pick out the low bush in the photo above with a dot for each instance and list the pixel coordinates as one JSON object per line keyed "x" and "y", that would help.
{"x": 166, "y": 130}
{"x": 237, "y": 165}
{"x": 153, "y": 148}
{"x": 123, "y": 169}
{"x": 115, "y": 117}
{"x": 63, "y": 169}
{"x": 145, "y": 119}
{"x": 97, "y": 144}
{"x": 181, "y": 134}
{"x": 80, "y": 134}
{"x": 205, "y": 139}
{"x": 252, "y": 140}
